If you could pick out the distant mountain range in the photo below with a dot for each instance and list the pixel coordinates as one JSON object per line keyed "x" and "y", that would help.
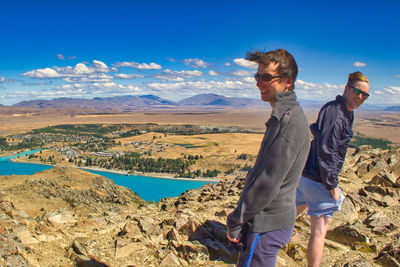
{"x": 392, "y": 108}
{"x": 130, "y": 103}
{"x": 148, "y": 102}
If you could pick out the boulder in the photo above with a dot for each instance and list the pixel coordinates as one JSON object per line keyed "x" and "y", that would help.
{"x": 192, "y": 251}
{"x": 390, "y": 254}
{"x": 173, "y": 235}
{"x": 61, "y": 216}
{"x": 379, "y": 223}
{"x": 364, "y": 167}
{"x": 170, "y": 260}
{"x": 358, "y": 263}
{"x": 347, "y": 214}
{"x": 125, "y": 248}
{"x": 348, "y": 234}
{"x": 131, "y": 230}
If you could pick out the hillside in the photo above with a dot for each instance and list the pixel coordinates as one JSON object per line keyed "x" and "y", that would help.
{"x": 68, "y": 217}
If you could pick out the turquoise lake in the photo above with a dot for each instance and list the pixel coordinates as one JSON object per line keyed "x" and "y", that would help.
{"x": 148, "y": 188}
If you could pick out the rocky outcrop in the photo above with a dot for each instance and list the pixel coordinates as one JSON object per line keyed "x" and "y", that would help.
{"x": 70, "y": 217}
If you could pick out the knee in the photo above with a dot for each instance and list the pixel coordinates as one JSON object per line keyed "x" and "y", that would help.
{"x": 318, "y": 235}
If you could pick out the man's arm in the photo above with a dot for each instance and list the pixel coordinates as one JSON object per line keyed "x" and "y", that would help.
{"x": 329, "y": 160}
{"x": 263, "y": 188}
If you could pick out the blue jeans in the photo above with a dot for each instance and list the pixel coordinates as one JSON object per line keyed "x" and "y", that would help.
{"x": 262, "y": 248}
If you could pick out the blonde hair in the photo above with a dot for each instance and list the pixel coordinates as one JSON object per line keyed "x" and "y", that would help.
{"x": 357, "y": 76}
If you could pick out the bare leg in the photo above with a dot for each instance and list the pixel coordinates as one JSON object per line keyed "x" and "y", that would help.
{"x": 300, "y": 209}
{"x": 315, "y": 249}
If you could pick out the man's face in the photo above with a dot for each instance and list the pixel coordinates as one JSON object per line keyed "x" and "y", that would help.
{"x": 353, "y": 100}
{"x": 273, "y": 87}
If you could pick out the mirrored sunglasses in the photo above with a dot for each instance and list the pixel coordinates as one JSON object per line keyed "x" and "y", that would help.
{"x": 358, "y": 92}
{"x": 265, "y": 77}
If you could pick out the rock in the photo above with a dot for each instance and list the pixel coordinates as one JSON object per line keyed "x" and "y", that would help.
{"x": 380, "y": 179}
{"x": 358, "y": 263}
{"x": 27, "y": 238}
{"x": 348, "y": 235}
{"x": 297, "y": 251}
{"x": 379, "y": 223}
{"x": 387, "y": 260}
{"x": 364, "y": 167}
{"x": 84, "y": 261}
{"x": 396, "y": 169}
{"x": 191, "y": 251}
{"x": 170, "y": 260}
{"x": 391, "y": 178}
{"x": 124, "y": 249}
{"x": 131, "y": 230}
{"x": 173, "y": 235}
{"x": 219, "y": 251}
{"x": 347, "y": 214}
{"x": 149, "y": 226}
{"x": 61, "y": 216}
{"x": 78, "y": 247}
{"x": 364, "y": 148}
{"x": 389, "y": 201}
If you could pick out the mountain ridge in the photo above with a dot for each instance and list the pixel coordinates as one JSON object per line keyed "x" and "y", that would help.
{"x": 149, "y": 101}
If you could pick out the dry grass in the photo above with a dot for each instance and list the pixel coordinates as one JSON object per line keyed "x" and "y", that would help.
{"x": 375, "y": 124}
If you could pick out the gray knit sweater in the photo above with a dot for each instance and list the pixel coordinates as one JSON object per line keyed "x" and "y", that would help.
{"x": 267, "y": 201}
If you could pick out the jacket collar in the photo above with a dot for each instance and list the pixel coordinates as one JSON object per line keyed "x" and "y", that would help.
{"x": 284, "y": 102}
{"x": 342, "y": 101}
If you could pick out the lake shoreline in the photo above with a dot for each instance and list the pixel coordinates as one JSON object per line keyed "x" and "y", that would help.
{"x": 150, "y": 174}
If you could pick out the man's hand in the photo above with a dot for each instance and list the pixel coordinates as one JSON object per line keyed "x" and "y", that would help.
{"x": 335, "y": 193}
{"x": 232, "y": 239}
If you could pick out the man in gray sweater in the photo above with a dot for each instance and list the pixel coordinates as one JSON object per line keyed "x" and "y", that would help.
{"x": 263, "y": 220}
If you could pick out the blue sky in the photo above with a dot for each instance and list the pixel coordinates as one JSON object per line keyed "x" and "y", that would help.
{"x": 177, "y": 49}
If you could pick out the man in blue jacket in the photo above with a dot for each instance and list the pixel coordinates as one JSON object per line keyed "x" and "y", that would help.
{"x": 318, "y": 187}
{"x": 266, "y": 211}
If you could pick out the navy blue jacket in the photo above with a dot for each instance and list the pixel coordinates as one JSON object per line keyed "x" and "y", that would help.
{"x": 332, "y": 133}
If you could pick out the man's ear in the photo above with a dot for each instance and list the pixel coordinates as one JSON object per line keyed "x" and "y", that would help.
{"x": 346, "y": 90}
{"x": 288, "y": 83}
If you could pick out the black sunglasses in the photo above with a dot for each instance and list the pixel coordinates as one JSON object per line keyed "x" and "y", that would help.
{"x": 358, "y": 92}
{"x": 266, "y": 77}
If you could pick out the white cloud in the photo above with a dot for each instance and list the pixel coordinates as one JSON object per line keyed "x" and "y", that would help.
{"x": 85, "y": 89}
{"x": 46, "y": 73}
{"x": 80, "y": 70}
{"x": 359, "y": 64}
{"x": 127, "y": 76}
{"x": 195, "y": 62}
{"x": 62, "y": 57}
{"x": 204, "y": 86}
{"x": 212, "y": 73}
{"x": 5, "y": 80}
{"x": 89, "y": 78}
{"x": 392, "y": 90}
{"x": 178, "y": 76}
{"x": 143, "y": 66}
{"x": 242, "y": 73}
{"x": 227, "y": 64}
{"x": 315, "y": 91}
{"x": 397, "y": 76}
{"x": 245, "y": 63}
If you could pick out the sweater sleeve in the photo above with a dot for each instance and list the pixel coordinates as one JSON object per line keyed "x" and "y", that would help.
{"x": 265, "y": 183}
